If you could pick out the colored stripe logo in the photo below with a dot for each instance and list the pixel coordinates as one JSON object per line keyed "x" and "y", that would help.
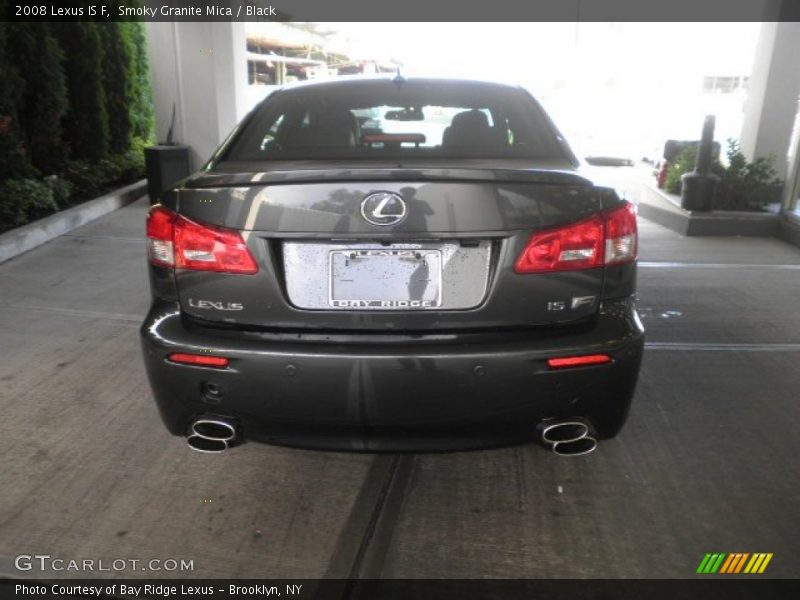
{"x": 735, "y": 562}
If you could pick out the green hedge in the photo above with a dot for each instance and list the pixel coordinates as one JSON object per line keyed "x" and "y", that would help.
{"x": 75, "y": 114}
{"x": 24, "y": 200}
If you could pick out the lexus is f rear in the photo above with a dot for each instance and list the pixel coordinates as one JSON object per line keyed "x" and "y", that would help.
{"x": 393, "y": 264}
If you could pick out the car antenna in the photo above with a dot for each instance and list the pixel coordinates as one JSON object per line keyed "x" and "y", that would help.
{"x": 399, "y": 77}
{"x": 171, "y": 127}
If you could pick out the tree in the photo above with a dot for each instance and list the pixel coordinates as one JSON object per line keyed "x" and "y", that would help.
{"x": 141, "y": 108}
{"x": 86, "y": 126}
{"x": 118, "y": 81}
{"x": 32, "y": 47}
{"x": 13, "y": 162}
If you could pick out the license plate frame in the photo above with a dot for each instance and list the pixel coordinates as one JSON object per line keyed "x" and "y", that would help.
{"x": 374, "y": 279}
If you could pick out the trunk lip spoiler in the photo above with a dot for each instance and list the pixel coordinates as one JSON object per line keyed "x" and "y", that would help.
{"x": 217, "y": 179}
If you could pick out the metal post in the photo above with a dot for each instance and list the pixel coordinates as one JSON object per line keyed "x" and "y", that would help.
{"x": 699, "y": 187}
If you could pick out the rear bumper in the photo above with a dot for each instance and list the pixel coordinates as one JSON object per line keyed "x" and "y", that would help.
{"x": 394, "y": 393}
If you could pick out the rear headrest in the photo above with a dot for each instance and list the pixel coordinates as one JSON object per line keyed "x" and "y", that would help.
{"x": 470, "y": 128}
{"x": 328, "y": 128}
{"x": 473, "y": 119}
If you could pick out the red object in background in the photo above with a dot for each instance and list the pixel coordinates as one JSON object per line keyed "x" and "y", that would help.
{"x": 662, "y": 175}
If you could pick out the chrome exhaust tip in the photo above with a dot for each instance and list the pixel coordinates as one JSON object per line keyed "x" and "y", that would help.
{"x": 215, "y": 430}
{"x": 585, "y": 445}
{"x": 201, "y": 444}
{"x": 567, "y": 438}
{"x": 563, "y": 432}
{"x": 211, "y": 435}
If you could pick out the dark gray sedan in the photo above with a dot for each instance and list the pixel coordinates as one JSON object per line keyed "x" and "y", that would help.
{"x": 393, "y": 264}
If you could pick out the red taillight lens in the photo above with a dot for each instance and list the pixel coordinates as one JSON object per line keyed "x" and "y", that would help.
{"x": 608, "y": 238}
{"x": 173, "y": 240}
{"x": 576, "y": 246}
{"x": 578, "y": 361}
{"x": 621, "y": 234}
{"x": 200, "y": 360}
{"x": 159, "y": 236}
{"x": 210, "y": 248}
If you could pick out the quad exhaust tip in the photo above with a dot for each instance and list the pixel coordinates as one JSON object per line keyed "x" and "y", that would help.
{"x": 211, "y": 435}
{"x": 585, "y": 445}
{"x": 567, "y": 438}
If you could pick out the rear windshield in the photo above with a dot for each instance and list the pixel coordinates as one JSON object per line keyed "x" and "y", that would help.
{"x": 393, "y": 120}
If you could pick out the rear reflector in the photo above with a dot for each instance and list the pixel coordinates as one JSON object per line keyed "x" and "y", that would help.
{"x": 175, "y": 241}
{"x": 200, "y": 360}
{"x": 607, "y": 238}
{"x": 578, "y": 361}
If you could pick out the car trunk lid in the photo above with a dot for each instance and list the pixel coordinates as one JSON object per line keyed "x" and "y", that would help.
{"x": 447, "y": 265}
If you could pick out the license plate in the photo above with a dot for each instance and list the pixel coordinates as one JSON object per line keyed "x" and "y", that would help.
{"x": 391, "y": 279}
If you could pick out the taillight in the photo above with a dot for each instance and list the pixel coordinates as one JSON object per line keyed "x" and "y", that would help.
{"x": 174, "y": 241}
{"x": 621, "y": 234}
{"x": 607, "y": 238}
{"x": 159, "y": 236}
{"x": 576, "y": 246}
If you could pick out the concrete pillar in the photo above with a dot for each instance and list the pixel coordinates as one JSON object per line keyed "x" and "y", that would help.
{"x": 791, "y": 191}
{"x": 201, "y": 69}
{"x": 772, "y": 96}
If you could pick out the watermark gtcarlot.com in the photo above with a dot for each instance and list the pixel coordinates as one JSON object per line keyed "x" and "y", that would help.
{"x": 45, "y": 562}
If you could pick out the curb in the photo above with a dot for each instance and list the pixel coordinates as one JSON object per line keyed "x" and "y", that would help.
{"x": 24, "y": 238}
{"x": 658, "y": 207}
{"x": 789, "y": 228}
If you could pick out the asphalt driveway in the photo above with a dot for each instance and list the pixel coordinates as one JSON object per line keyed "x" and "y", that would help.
{"x": 707, "y": 463}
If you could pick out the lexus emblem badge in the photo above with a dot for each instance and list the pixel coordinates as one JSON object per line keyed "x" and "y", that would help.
{"x": 383, "y": 208}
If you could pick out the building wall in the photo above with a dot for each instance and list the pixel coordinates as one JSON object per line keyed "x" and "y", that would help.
{"x": 201, "y": 69}
{"x": 772, "y": 99}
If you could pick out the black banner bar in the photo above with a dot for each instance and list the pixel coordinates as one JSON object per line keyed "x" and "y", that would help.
{"x": 702, "y": 588}
{"x": 407, "y": 10}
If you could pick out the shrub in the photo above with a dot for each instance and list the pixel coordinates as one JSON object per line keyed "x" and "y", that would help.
{"x": 44, "y": 102}
{"x": 86, "y": 122}
{"x": 13, "y": 162}
{"x": 62, "y": 190}
{"x": 141, "y": 108}
{"x": 683, "y": 163}
{"x": 75, "y": 105}
{"x": 88, "y": 179}
{"x": 118, "y": 73}
{"x": 746, "y": 185}
{"x": 131, "y": 163}
{"x": 23, "y": 200}
{"x": 743, "y": 185}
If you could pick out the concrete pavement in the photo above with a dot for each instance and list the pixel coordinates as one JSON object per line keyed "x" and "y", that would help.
{"x": 707, "y": 462}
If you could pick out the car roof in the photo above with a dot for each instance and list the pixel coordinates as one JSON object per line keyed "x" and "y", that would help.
{"x": 356, "y": 82}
